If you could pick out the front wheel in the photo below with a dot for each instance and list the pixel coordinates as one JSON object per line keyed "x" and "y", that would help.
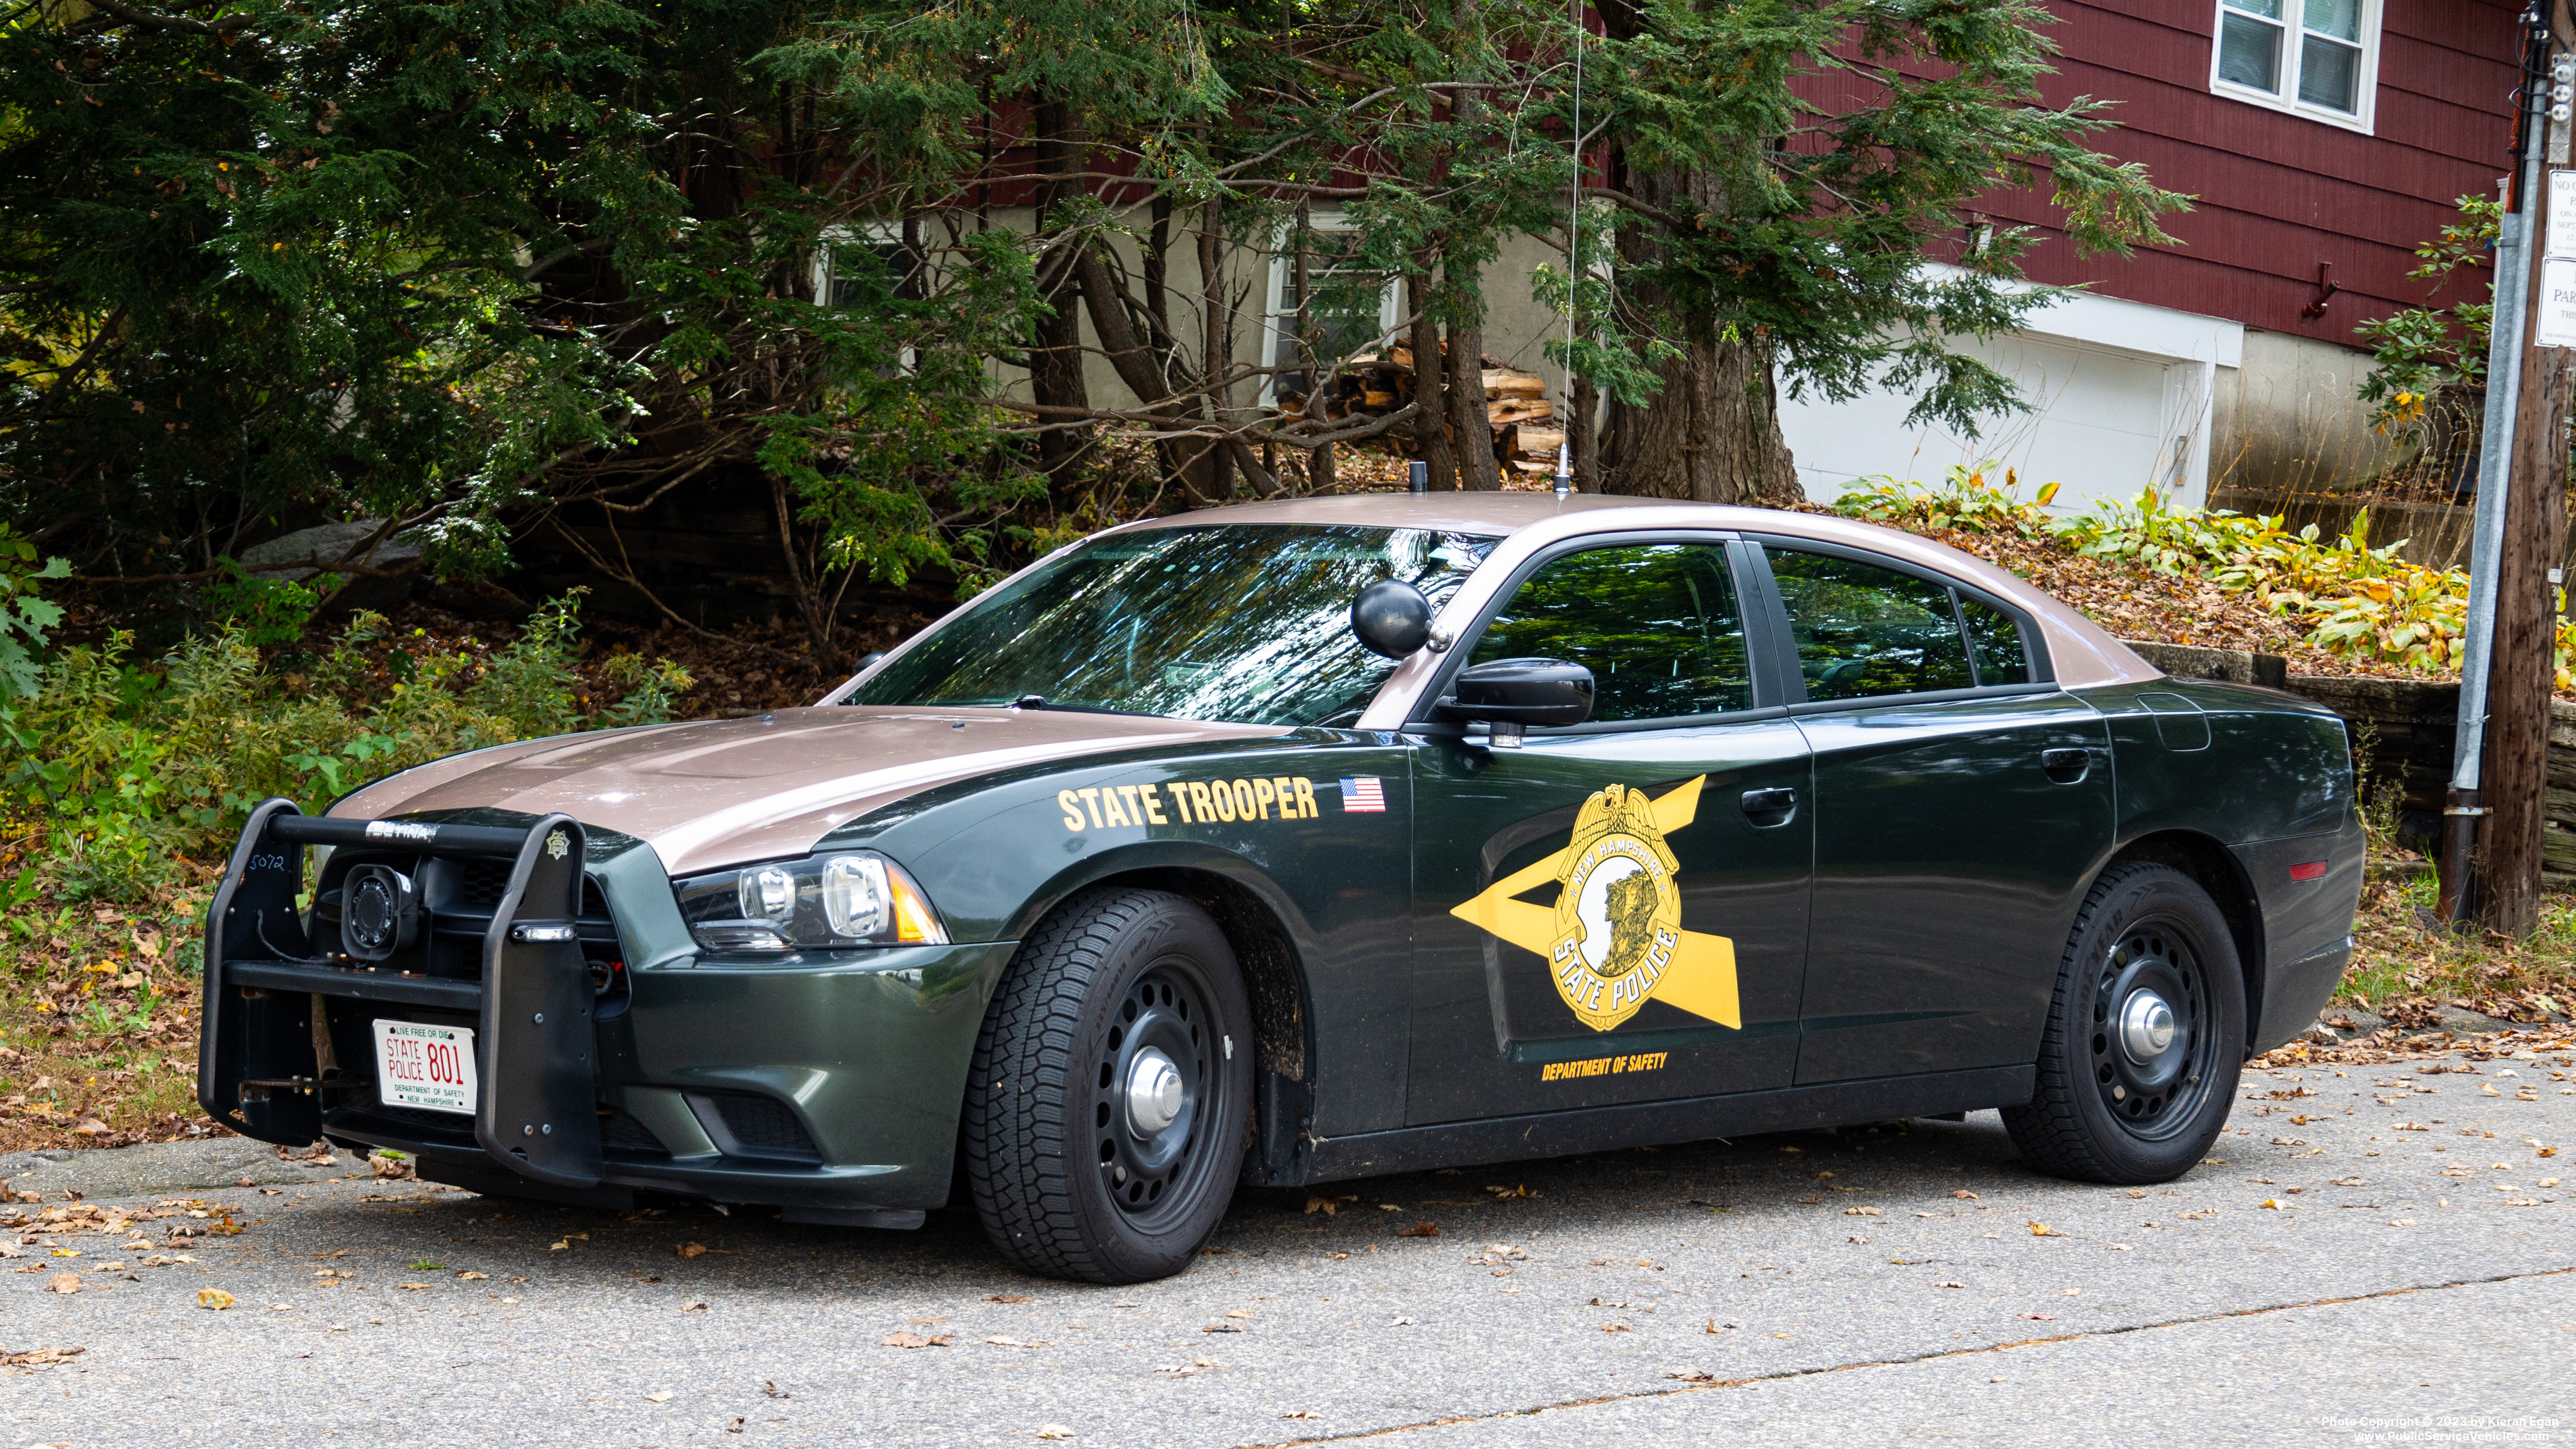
{"x": 2138, "y": 1066}
{"x": 1111, "y": 1088}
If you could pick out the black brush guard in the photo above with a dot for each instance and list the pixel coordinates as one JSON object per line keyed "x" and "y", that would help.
{"x": 258, "y": 1069}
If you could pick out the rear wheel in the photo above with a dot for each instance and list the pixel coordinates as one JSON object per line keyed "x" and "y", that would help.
{"x": 2145, "y": 1034}
{"x": 1106, "y": 1112}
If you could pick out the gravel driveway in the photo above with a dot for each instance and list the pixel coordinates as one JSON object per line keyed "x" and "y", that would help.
{"x": 2374, "y": 1253}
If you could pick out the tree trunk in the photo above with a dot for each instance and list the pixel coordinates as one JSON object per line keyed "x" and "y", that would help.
{"x": 1477, "y": 466}
{"x": 2513, "y": 778}
{"x": 1712, "y": 435}
{"x": 1579, "y": 433}
{"x": 1055, "y": 364}
{"x": 1210, "y": 473}
{"x": 1713, "y": 432}
{"x": 804, "y": 580}
{"x": 1430, "y": 392}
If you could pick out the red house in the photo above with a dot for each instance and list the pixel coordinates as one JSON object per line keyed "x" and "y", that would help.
{"x": 2324, "y": 140}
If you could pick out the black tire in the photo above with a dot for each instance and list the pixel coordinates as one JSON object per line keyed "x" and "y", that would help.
{"x": 2115, "y": 1102}
{"x": 1065, "y": 1174}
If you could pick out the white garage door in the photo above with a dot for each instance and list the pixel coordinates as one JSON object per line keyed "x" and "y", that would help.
{"x": 2103, "y": 424}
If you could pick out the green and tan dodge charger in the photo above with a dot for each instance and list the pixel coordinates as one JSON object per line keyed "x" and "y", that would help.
{"x": 1309, "y": 841}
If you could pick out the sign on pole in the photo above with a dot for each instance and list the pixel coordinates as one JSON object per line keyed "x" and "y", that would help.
{"x": 2554, "y": 320}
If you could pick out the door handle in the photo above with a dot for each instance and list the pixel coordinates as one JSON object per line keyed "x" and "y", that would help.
{"x": 1777, "y": 801}
{"x": 2066, "y": 765}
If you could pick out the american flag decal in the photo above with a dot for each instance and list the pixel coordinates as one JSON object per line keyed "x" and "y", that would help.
{"x": 1362, "y": 795}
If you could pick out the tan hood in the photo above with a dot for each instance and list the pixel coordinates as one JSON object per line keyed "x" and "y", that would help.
{"x": 720, "y": 792}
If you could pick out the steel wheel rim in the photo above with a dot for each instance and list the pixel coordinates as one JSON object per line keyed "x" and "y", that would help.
{"x": 1153, "y": 1169}
{"x": 2153, "y": 1082}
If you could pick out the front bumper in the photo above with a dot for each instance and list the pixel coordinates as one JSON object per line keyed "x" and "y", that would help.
{"x": 828, "y": 1087}
{"x": 833, "y": 1087}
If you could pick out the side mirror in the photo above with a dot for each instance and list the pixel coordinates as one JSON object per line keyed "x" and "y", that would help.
{"x": 1391, "y": 618}
{"x": 1513, "y": 694}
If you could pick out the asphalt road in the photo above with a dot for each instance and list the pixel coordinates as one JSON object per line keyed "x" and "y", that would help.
{"x": 2413, "y": 1285}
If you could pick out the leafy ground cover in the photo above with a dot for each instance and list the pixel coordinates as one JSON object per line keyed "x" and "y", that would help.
{"x": 2149, "y": 570}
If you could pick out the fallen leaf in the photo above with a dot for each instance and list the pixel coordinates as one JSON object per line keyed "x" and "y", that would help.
{"x": 1240, "y": 1313}
{"x": 1961, "y": 1192}
{"x": 1693, "y": 1376}
{"x": 63, "y": 1283}
{"x": 1860, "y": 1212}
{"x": 1054, "y": 1431}
{"x": 1223, "y": 1328}
{"x": 1006, "y": 1298}
{"x": 698, "y": 1250}
{"x": 915, "y": 1340}
{"x": 40, "y": 1357}
{"x": 2043, "y": 1230}
{"x": 471, "y": 1277}
{"x": 1328, "y": 1206}
{"x": 1420, "y": 1230}
{"x": 658, "y": 1396}
{"x": 2041, "y": 1317}
{"x": 2269, "y": 1203}
{"x": 214, "y": 1298}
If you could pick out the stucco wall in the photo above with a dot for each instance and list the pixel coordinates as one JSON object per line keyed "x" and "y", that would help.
{"x": 2287, "y": 419}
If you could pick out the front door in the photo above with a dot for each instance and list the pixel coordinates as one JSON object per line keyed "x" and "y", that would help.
{"x": 1960, "y": 803}
{"x": 1615, "y": 912}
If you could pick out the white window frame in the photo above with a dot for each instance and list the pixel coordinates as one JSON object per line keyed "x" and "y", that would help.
{"x": 872, "y": 233}
{"x": 2365, "y": 102}
{"x": 1279, "y": 320}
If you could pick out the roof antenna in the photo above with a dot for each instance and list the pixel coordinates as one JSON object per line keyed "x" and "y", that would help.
{"x": 1573, "y": 267}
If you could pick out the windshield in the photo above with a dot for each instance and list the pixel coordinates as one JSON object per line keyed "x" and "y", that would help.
{"x": 1245, "y": 623}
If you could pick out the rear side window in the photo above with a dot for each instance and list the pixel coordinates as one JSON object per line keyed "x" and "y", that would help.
{"x": 1994, "y": 644}
{"x": 1657, "y": 624}
{"x": 1863, "y": 631}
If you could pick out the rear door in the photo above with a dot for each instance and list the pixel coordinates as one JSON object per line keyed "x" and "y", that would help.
{"x": 1961, "y": 800}
{"x": 1614, "y": 912}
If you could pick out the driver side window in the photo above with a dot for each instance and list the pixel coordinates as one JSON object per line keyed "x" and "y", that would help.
{"x": 1656, "y": 623}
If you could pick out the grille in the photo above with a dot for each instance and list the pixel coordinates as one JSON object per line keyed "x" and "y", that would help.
{"x": 617, "y": 1130}
{"x": 745, "y": 1125}
{"x": 484, "y": 882}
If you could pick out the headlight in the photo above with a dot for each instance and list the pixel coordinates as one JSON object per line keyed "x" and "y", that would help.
{"x": 824, "y": 902}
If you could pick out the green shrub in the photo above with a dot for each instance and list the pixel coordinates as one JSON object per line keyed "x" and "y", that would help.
{"x": 1963, "y": 500}
{"x": 132, "y": 771}
{"x": 24, "y": 618}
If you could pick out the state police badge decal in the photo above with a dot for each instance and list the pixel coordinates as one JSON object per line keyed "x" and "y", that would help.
{"x": 1614, "y": 939}
{"x": 1618, "y": 916}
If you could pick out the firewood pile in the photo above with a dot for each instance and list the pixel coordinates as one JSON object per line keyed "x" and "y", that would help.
{"x": 1525, "y": 433}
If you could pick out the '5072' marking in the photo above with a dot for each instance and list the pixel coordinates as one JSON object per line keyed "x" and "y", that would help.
{"x": 1196, "y": 802}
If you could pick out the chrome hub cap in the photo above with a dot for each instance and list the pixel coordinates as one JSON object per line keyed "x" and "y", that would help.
{"x": 1155, "y": 1093}
{"x": 2146, "y": 1026}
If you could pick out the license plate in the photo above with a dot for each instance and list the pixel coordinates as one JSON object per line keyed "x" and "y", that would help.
{"x": 430, "y": 1067}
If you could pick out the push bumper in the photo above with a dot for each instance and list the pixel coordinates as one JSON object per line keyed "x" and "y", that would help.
{"x": 830, "y": 1088}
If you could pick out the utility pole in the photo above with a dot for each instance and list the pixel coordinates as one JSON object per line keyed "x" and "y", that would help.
{"x": 2500, "y": 758}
